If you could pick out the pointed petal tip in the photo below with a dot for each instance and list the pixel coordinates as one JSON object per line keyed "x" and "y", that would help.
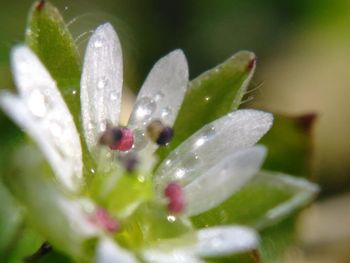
{"x": 104, "y": 27}
{"x": 179, "y": 56}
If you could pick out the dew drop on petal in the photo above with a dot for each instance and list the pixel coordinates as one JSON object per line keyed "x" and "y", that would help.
{"x": 99, "y": 42}
{"x": 165, "y": 112}
{"x": 158, "y": 96}
{"x": 140, "y": 140}
{"x": 37, "y": 104}
{"x": 56, "y": 129}
{"x": 206, "y": 135}
{"x": 102, "y": 83}
{"x": 145, "y": 107}
{"x": 113, "y": 97}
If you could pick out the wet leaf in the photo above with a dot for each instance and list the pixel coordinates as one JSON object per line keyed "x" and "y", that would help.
{"x": 48, "y": 36}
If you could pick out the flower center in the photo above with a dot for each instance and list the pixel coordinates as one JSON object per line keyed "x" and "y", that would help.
{"x": 174, "y": 193}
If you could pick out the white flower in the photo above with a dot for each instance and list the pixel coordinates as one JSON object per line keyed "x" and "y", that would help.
{"x": 210, "y": 166}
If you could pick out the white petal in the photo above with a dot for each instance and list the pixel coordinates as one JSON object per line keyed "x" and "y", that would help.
{"x": 221, "y": 181}
{"x": 46, "y": 116}
{"x": 225, "y": 240}
{"x": 162, "y": 94}
{"x": 65, "y": 222}
{"x": 101, "y": 83}
{"x": 171, "y": 256}
{"x": 211, "y": 144}
{"x": 61, "y": 164}
{"x": 109, "y": 252}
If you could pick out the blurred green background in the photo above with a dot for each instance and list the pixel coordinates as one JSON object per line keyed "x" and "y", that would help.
{"x": 303, "y": 50}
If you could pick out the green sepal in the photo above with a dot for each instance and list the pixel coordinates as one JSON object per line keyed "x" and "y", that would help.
{"x": 48, "y": 36}
{"x": 289, "y": 142}
{"x": 266, "y": 200}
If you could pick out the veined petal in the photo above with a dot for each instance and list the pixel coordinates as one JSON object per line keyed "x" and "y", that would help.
{"x": 48, "y": 114}
{"x": 39, "y": 131}
{"x": 225, "y": 240}
{"x": 211, "y": 144}
{"x": 161, "y": 95}
{"x": 222, "y": 180}
{"x": 109, "y": 252}
{"x": 101, "y": 83}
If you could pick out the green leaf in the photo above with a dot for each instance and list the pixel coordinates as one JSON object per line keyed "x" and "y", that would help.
{"x": 10, "y": 220}
{"x": 266, "y": 200}
{"x": 289, "y": 144}
{"x": 276, "y": 239}
{"x": 211, "y": 95}
{"x": 48, "y": 36}
{"x": 26, "y": 243}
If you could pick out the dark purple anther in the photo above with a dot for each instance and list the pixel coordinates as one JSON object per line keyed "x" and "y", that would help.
{"x": 165, "y": 136}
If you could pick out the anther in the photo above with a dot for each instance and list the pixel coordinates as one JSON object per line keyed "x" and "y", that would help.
{"x": 116, "y": 138}
{"x": 129, "y": 162}
{"x": 105, "y": 221}
{"x": 159, "y": 133}
{"x": 175, "y": 195}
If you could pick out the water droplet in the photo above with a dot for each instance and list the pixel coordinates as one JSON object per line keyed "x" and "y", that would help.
{"x": 37, "y": 104}
{"x": 91, "y": 125}
{"x": 56, "y": 129}
{"x": 171, "y": 218}
{"x": 98, "y": 42}
{"x": 158, "y": 96}
{"x": 207, "y": 98}
{"x": 102, "y": 83}
{"x": 74, "y": 92}
{"x": 140, "y": 141}
{"x": 165, "y": 112}
{"x": 145, "y": 107}
{"x": 102, "y": 126}
{"x": 92, "y": 170}
{"x": 179, "y": 173}
{"x": 113, "y": 97}
{"x": 207, "y": 133}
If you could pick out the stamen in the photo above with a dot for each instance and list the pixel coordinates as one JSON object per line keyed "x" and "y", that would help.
{"x": 129, "y": 162}
{"x": 175, "y": 195}
{"x": 159, "y": 133}
{"x": 116, "y": 138}
{"x": 104, "y": 220}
